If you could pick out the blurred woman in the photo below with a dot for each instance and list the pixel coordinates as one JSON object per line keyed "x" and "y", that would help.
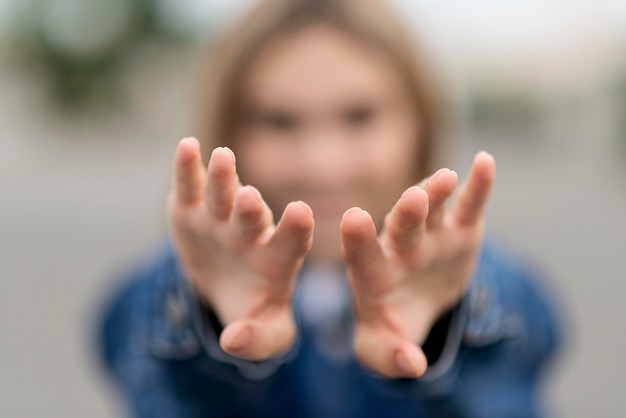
{"x": 307, "y": 274}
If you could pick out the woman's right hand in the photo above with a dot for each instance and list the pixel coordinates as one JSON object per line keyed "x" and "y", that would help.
{"x": 239, "y": 262}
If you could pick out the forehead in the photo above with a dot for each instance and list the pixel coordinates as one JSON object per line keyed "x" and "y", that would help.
{"x": 319, "y": 64}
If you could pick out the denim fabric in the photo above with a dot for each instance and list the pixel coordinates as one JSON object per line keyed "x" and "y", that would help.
{"x": 164, "y": 357}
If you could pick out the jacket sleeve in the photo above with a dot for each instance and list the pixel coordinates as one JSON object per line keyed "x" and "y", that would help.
{"x": 164, "y": 357}
{"x": 499, "y": 343}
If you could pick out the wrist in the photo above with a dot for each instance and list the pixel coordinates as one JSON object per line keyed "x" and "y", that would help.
{"x": 429, "y": 315}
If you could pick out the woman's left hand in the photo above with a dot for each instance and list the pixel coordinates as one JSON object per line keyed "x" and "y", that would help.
{"x": 417, "y": 269}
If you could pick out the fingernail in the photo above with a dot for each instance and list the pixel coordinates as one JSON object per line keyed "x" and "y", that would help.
{"x": 305, "y": 206}
{"x": 406, "y": 192}
{"x": 483, "y": 154}
{"x": 232, "y": 155}
{"x": 351, "y": 210}
{"x": 403, "y": 363}
{"x": 410, "y": 189}
{"x": 442, "y": 170}
{"x": 188, "y": 139}
{"x": 226, "y": 150}
{"x": 256, "y": 192}
{"x": 242, "y": 340}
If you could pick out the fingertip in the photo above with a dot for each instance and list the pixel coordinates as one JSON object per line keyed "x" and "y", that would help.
{"x": 300, "y": 207}
{"x": 242, "y": 340}
{"x": 412, "y": 208}
{"x": 223, "y": 152}
{"x": 410, "y": 362}
{"x": 449, "y": 182}
{"x": 415, "y": 191}
{"x": 231, "y": 154}
{"x": 222, "y": 162}
{"x": 250, "y": 193}
{"x": 404, "y": 364}
{"x": 300, "y": 217}
{"x": 216, "y": 154}
{"x": 189, "y": 141}
{"x": 484, "y": 155}
{"x": 454, "y": 176}
{"x": 255, "y": 340}
{"x": 485, "y": 162}
{"x": 188, "y": 148}
{"x": 359, "y": 237}
{"x": 470, "y": 204}
{"x": 187, "y": 170}
{"x": 238, "y": 338}
{"x": 248, "y": 201}
{"x": 389, "y": 355}
{"x": 351, "y": 211}
{"x": 353, "y": 221}
{"x": 414, "y": 196}
{"x": 445, "y": 180}
{"x": 484, "y": 167}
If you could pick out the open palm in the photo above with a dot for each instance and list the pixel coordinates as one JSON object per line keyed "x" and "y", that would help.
{"x": 416, "y": 269}
{"x": 240, "y": 263}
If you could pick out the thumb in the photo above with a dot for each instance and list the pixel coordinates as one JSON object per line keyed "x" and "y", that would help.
{"x": 388, "y": 354}
{"x": 256, "y": 340}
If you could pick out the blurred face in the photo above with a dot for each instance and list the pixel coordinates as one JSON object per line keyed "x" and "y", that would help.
{"x": 327, "y": 122}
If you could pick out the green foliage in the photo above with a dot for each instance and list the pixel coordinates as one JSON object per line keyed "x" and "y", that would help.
{"x": 80, "y": 44}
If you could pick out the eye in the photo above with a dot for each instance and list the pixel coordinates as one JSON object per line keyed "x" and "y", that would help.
{"x": 279, "y": 121}
{"x": 359, "y": 115}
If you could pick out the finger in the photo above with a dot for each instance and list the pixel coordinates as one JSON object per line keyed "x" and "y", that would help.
{"x": 188, "y": 171}
{"x": 292, "y": 239}
{"x": 439, "y": 188}
{"x": 257, "y": 340}
{"x": 250, "y": 216}
{"x": 222, "y": 182}
{"x": 470, "y": 204}
{"x": 361, "y": 248}
{"x": 404, "y": 225}
{"x": 389, "y": 355}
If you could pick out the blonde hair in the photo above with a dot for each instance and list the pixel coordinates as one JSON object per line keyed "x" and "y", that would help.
{"x": 368, "y": 21}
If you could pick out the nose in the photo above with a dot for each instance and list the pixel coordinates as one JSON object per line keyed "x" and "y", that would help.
{"x": 328, "y": 159}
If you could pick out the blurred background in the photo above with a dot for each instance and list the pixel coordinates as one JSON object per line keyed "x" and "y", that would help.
{"x": 94, "y": 95}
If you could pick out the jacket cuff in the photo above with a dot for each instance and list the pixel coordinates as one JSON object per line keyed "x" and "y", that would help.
{"x": 478, "y": 320}
{"x": 185, "y": 311}
{"x": 453, "y": 339}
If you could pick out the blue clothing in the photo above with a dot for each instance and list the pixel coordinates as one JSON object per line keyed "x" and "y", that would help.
{"x": 162, "y": 352}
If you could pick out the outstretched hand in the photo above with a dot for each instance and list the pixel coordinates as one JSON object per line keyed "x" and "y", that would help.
{"x": 240, "y": 263}
{"x": 404, "y": 279}
{"x": 244, "y": 266}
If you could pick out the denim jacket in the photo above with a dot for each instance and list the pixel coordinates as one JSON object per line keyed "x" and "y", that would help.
{"x": 163, "y": 354}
